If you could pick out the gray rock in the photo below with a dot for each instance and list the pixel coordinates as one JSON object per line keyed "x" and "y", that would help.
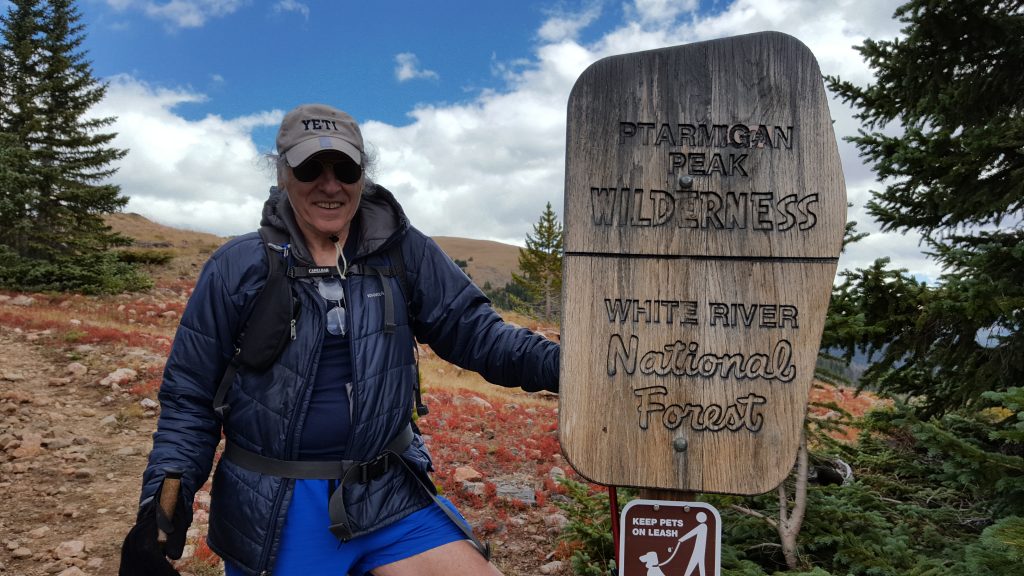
{"x": 69, "y": 549}
{"x": 21, "y": 552}
{"x": 473, "y": 488}
{"x": 57, "y": 443}
{"x": 76, "y": 369}
{"x": 553, "y": 567}
{"x": 556, "y": 521}
{"x": 523, "y": 494}
{"x": 119, "y": 377}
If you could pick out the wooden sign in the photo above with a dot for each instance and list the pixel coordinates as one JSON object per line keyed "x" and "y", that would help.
{"x": 704, "y": 217}
{"x": 662, "y": 538}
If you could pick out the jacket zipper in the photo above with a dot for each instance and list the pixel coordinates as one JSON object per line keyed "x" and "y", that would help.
{"x": 279, "y": 498}
{"x": 350, "y": 318}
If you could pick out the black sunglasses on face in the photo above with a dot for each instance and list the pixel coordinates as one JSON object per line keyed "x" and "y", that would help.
{"x": 346, "y": 171}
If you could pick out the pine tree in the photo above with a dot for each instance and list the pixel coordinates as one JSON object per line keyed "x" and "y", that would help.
{"x": 54, "y": 187}
{"x": 955, "y": 175}
{"x": 943, "y": 127}
{"x": 77, "y": 156}
{"x": 19, "y": 64}
{"x": 541, "y": 266}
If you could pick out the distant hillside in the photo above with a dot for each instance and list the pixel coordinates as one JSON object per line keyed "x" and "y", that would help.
{"x": 149, "y": 234}
{"x": 488, "y": 261}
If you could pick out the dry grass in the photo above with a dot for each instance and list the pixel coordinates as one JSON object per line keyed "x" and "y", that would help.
{"x": 439, "y": 375}
{"x": 489, "y": 261}
{"x": 191, "y": 249}
{"x": 145, "y": 231}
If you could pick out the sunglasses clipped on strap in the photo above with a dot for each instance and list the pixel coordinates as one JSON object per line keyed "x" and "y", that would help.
{"x": 346, "y": 171}
{"x": 331, "y": 291}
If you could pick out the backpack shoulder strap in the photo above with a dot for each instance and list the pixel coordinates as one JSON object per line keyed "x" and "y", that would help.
{"x": 263, "y": 336}
{"x": 398, "y": 265}
{"x": 397, "y": 270}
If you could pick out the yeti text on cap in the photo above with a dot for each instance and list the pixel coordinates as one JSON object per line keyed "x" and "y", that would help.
{"x": 319, "y": 124}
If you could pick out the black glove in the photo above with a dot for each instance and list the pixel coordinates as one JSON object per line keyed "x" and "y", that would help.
{"x": 141, "y": 553}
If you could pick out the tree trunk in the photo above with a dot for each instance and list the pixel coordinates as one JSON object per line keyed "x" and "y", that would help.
{"x": 791, "y": 521}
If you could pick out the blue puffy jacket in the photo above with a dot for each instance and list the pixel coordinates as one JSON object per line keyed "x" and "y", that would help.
{"x": 268, "y": 410}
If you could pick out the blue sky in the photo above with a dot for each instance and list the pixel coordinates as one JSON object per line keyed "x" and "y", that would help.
{"x": 463, "y": 100}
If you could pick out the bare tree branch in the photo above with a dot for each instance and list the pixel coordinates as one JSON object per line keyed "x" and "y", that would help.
{"x": 744, "y": 510}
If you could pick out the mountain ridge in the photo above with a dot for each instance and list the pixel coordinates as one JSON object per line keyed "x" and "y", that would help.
{"x": 487, "y": 261}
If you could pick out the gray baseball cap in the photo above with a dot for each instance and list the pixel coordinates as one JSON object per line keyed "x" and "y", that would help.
{"x": 312, "y": 128}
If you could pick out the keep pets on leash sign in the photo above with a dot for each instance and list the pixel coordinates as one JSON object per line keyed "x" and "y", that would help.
{"x": 670, "y": 539}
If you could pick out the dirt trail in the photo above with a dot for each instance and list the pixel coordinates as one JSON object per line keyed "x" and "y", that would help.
{"x": 71, "y": 458}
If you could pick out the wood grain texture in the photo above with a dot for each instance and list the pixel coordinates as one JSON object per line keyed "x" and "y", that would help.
{"x": 697, "y": 94}
{"x": 692, "y": 316}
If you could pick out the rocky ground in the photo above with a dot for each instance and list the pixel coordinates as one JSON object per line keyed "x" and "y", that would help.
{"x": 73, "y": 456}
{"x": 77, "y": 381}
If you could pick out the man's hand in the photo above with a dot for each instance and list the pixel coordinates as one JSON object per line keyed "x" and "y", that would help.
{"x": 143, "y": 553}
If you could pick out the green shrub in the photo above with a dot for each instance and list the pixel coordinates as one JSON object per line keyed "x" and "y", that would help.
{"x": 97, "y": 273}
{"x": 999, "y": 551}
{"x": 589, "y": 530}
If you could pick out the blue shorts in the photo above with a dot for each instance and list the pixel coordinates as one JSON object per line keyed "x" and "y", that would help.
{"x": 309, "y": 549}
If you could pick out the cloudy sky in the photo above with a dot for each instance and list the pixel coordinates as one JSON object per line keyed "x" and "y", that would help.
{"x": 465, "y": 100}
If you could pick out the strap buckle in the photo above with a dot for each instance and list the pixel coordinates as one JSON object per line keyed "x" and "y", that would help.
{"x": 373, "y": 469}
{"x": 341, "y": 530}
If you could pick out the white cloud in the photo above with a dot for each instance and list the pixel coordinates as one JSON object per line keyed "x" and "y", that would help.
{"x": 652, "y": 11}
{"x": 292, "y": 6}
{"x": 181, "y": 13}
{"x": 408, "y": 68}
{"x": 121, "y": 4}
{"x": 484, "y": 168}
{"x": 567, "y": 25}
{"x": 202, "y": 175}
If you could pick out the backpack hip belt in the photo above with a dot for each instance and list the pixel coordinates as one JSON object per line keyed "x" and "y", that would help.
{"x": 321, "y": 469}
{"x": 344, "y": 470}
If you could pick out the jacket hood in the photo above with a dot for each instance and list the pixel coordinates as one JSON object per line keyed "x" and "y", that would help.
{"x": 379, "y": 217}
